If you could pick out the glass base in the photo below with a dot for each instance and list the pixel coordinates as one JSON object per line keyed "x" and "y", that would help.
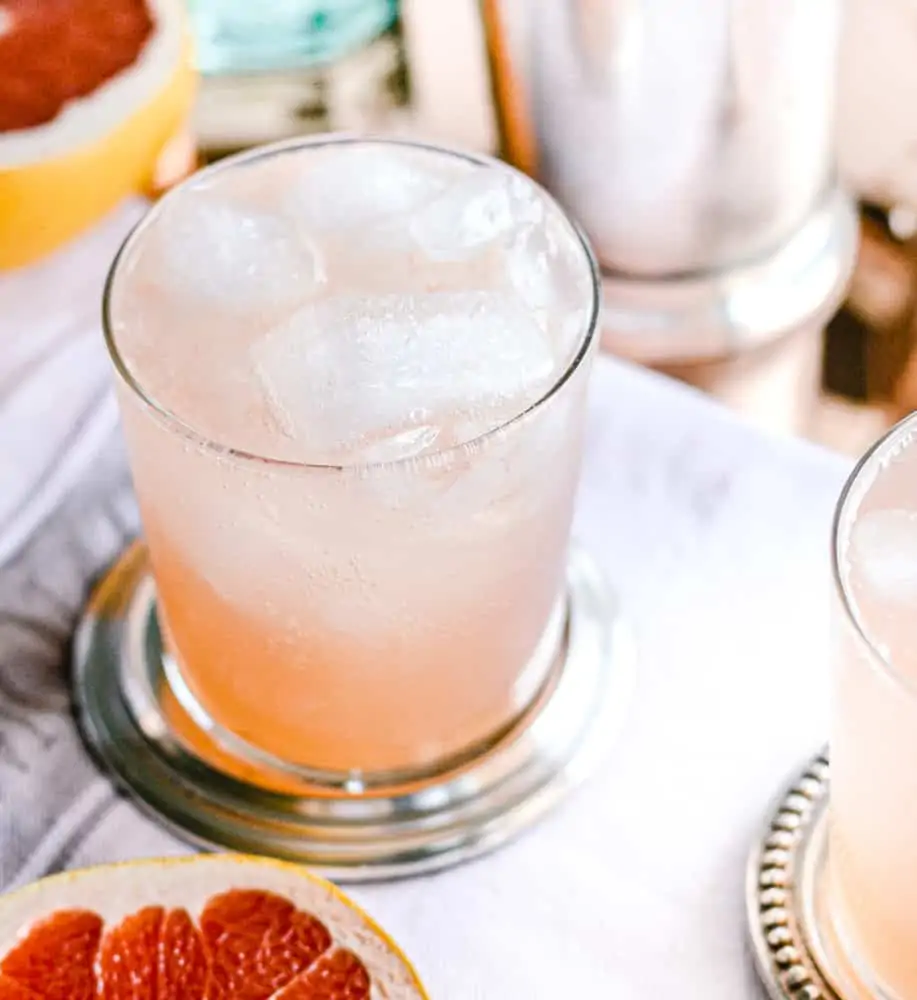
{"x": 796, "y": 945}
{"x": 135, "y": 724}
{"x": 692, "y": 318}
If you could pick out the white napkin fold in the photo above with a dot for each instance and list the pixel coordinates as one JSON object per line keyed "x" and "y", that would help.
{"x": 56, "y": 407}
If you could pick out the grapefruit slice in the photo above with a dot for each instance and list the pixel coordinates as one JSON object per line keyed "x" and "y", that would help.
{"x": 214, "y": 927}
{"x": 95, "y": 98}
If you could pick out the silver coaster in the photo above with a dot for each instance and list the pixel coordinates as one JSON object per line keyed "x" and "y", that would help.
{"x": 794, "y": 942}
{"x": 137, "y": 728}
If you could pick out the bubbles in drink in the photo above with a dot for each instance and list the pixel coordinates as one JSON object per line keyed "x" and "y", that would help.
{"x": 883, "y": 550}
{"x": 392, "y": 376}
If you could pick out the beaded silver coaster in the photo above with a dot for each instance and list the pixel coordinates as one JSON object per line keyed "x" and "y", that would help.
{"x": 793, "y": 940}
{"x": 132, "y": 720}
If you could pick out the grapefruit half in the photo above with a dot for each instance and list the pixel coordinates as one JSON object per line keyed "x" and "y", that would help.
{"x": 211, "y": 927}
{"x": 95, "y": 98}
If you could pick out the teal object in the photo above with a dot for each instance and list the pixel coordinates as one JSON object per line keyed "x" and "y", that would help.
{"x": 239, "y": 36}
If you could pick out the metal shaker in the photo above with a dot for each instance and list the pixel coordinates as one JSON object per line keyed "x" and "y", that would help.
{"x": 694, "y": 142}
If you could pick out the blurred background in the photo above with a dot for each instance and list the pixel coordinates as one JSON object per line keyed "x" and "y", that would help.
{"x": 747, "y": 169}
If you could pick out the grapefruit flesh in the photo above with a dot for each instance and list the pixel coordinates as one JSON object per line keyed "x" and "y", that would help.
{"x": 57, "y": 958}
{"x": 11, "y": 990}
{"x": 207, "y": 928}
{"x": 183, "y": 967}
{"x": 55, "y": 51}
{"x": 338, "y": 975}
{"x": 258, "y": 942}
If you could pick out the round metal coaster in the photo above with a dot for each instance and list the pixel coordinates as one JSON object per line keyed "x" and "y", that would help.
{"x": 133, "y": 722}
{"x": 795, "y": 944}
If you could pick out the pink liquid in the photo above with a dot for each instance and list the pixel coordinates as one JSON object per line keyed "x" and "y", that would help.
{"x": 873, "y": 841}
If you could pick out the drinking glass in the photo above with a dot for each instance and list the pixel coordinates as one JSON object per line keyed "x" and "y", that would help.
{"x": 386, "y": 612}
{"x": 871, "y": 885}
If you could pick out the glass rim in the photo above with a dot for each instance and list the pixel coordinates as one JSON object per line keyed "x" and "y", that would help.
{"x": 847, "y": 504}
{"x": 175, "y": 423}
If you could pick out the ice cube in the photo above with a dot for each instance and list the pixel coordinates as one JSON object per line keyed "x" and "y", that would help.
{"x": 392, "y": 447}
{"x": 549, "y": 271}
{"x": 883, "y": 554}
{"x": 394, "y": 375}
{"x": 360, "y": 185}
{"x": 473, "y": 213}
{"x": 235, "y": 256}
{"x": 528, "y": 266}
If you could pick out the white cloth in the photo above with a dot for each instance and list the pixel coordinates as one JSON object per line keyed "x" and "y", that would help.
{"x": 715, "y": 536}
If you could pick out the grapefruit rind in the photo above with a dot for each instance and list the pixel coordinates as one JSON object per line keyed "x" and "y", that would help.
{"x": 117, "y": 890}
{"x": 59, "y": 178}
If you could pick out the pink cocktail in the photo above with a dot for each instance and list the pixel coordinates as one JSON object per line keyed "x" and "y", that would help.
{"x": 872, "y": 874}
{"x": 352, "y": 377}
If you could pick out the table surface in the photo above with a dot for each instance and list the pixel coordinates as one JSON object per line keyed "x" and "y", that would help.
{"x": 716, "y": 537}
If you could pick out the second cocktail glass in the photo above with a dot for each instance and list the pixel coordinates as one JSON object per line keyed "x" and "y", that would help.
{"x": 870, "y": 893}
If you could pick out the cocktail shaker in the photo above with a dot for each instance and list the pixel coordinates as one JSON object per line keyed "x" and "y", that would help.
{"x": 694, "y": 142}
{"x": 877, "y": 127}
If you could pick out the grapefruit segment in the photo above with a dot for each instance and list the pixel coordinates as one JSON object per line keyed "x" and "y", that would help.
{"x": 257, "y": 942}
{"x": 337, "y": 975}
{"x": 183, "y": 963}
{"x": 57, "y": 957}
{"x": 128, "y": 956}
